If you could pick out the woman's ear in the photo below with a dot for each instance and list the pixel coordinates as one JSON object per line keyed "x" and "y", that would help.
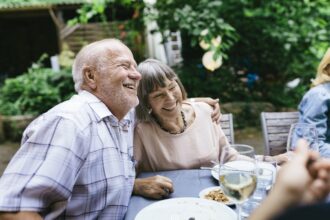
{"x": 89, "y": 76}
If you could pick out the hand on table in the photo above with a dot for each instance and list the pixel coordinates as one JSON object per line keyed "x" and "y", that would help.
{"x": 155, "y": 187}
{"x": 304, "y": 179}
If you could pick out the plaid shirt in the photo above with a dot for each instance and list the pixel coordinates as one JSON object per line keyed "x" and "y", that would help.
{"x": 75, "y": 162}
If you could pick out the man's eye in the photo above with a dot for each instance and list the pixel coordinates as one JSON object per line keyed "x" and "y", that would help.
{"x": 125, "y": 66}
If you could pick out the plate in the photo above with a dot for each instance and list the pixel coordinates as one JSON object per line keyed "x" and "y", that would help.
{"x": 206, "y": 191}
{"x": 186, "y": 208}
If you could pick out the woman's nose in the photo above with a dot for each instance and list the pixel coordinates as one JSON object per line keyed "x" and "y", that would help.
{"x": 170, "y": 95}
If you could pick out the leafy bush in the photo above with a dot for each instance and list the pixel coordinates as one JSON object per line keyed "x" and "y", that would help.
{"x": 276, "y": 40}
{"x": 35, "y": 92}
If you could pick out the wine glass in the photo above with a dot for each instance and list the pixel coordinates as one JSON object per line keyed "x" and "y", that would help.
{"x": 302, "y": 131}
{"x": 238, "y": 177}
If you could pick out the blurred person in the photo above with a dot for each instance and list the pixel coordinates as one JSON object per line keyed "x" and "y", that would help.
{"x": 171, "y": 133}
{"x": 314, "y": 107}
{"x": 300, "y": 186}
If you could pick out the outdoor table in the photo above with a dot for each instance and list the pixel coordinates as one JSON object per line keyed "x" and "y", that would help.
{"x": 187, "y": 183}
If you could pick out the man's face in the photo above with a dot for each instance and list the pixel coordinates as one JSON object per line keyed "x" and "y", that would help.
{"x": 118, "y": 82}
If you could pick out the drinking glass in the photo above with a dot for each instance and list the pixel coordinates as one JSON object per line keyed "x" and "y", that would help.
{"x": 302, "y": 131}
{"x": 267, "y": 167}
{"x": 238, "y": 178}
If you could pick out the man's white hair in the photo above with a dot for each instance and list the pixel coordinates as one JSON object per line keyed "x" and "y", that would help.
{"x": 94, "y": 55}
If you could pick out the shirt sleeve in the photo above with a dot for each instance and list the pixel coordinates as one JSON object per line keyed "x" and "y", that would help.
{"x": 44, "y": 170}
{"x": 314, "y": 109}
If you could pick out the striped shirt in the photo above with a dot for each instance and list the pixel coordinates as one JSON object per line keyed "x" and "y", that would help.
{"x": 75, "y": 162}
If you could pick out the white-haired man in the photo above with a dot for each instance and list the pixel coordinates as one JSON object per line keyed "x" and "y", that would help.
{"x": 76, "y": 160}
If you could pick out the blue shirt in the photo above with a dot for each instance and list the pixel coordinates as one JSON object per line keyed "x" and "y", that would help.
{"x": 75, "y": 162}
{"x": 314, "y": 109}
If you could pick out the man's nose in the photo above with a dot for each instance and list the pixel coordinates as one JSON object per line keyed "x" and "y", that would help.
{"x": 134, "y": 74}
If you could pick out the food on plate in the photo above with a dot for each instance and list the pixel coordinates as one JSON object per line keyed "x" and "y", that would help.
{"x": 216, "y": 195}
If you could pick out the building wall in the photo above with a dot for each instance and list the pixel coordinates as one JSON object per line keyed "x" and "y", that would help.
{"x": 24, "y": 37}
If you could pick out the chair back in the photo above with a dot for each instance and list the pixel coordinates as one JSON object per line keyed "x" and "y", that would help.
{"x": 226, "y": 123}
{"x": 275, "y": 129}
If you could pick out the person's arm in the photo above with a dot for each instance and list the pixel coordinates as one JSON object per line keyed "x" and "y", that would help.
{"x": 155, "y": 187}
{"x": 214, "y": 103}
{"x": 40, "y": 174}
{"x": 20, "y": 216}
{"x": 296, "y": 184}
{"x": 314, "y": 109}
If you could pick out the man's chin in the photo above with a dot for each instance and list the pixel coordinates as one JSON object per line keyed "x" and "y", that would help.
{"x": 134, "y": 102}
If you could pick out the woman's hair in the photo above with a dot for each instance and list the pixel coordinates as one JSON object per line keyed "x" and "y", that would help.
{"x": 323, "y": 70}
{"x": 154, "y": 73}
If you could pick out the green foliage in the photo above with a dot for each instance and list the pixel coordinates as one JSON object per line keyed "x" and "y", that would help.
{"x": 97, "y": 10}
{"x": 35, "y": 92}
{"x": 125, "y": 13}
{"x": 89, "y": 10}
{"x": 193, "y": 17}
{"x": 222, "y": 83}
{"x": 276, "y": 40}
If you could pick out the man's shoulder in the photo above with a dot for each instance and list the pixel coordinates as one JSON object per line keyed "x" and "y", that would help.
{"x": 74, "y": 110}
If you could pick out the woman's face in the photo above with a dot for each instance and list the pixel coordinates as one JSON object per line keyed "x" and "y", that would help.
{"x": 166, "y": 101}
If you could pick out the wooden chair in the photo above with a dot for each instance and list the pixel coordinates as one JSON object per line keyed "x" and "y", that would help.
{"x": 275, "y": 129}
{"x": 226, "y": 123}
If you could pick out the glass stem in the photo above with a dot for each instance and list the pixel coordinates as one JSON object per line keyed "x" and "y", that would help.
{"x": 239, "y": 211}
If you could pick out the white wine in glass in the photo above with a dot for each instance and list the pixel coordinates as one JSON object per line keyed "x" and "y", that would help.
{"x": 238, "y": 178}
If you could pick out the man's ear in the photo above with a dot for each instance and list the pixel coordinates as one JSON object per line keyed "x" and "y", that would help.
{"x": 89, "y": 75}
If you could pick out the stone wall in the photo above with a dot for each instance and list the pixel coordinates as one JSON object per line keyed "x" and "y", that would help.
{"x": 247, "y": 114}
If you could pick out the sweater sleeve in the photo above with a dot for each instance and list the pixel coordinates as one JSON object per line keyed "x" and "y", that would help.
{"x": 140, "y": 156}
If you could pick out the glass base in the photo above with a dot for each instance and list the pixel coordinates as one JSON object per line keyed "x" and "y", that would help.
{"x": 248, "y": 207}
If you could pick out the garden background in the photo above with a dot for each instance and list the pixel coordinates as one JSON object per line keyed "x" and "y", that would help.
{"x": 268, "y": 53}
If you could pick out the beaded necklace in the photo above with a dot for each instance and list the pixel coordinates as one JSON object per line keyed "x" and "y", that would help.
{"x": 183, "y": 128}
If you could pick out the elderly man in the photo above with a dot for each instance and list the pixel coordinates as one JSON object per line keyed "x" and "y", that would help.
{"x": 76, "y": 161}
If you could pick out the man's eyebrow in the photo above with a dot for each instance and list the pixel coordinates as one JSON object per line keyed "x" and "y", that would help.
{"x": 125, "y": 60}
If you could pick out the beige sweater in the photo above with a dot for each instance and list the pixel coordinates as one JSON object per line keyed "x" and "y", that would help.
{"x": 157, "y": 150}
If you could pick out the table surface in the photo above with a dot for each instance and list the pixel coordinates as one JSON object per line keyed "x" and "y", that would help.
{"x": 187, "y": 183}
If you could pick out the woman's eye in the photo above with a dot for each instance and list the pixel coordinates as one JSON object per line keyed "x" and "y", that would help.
{"x": 172, "y": 88}
{"x": 158, "y": 95}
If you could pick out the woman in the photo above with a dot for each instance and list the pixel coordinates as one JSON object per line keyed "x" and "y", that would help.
{"x": 314, "y": 107}
{"x": 172, "y": 133}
